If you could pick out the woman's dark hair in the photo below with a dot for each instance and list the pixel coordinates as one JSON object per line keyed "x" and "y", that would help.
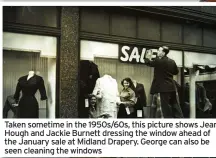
{"x": 131, "y": 85}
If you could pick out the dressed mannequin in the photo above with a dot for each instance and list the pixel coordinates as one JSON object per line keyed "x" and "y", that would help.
{"x": 27, "y": 105}
{"x": 89, "y": 73}
{"x": 141, "y": 98}
{"x": 106, "y": 91}
{"x": 135, "y": 83}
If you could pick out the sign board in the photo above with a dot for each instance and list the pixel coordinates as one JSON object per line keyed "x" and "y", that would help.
{"x": 136, "y": 54}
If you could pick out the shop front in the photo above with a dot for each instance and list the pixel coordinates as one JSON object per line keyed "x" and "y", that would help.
{"x": 116, "y": 43}
{"x": 54, "y": 42}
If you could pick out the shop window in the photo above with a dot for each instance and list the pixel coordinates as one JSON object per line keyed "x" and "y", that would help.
{"x": 200, "y": 84}
{"x": 32, "y": 59}
{"x": 33, "y": 15}
{"x": 103, "y": 59}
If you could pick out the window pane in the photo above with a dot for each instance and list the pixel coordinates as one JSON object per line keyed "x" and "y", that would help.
{"x": 42, "y": 16}
{"x": 38, "y": 54}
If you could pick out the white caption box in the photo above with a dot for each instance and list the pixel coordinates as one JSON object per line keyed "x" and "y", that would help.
{"x": 108, "y": 138}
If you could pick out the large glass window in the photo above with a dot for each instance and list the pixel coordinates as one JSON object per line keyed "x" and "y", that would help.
{"x": 33, "y": 15}
{"x": 200, "y": 83}
{"x": 106, "y": 58}
{"x": 29, "y": 75}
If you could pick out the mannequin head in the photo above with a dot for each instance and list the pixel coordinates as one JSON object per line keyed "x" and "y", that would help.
{"x": 31, "y": 72}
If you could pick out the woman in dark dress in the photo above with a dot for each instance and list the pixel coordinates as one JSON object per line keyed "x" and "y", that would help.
{"x": 128, "y": 100}
{"x": 28, "y": 105}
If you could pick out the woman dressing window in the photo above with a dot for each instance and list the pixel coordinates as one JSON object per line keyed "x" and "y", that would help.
{"x": 128, "y": 100}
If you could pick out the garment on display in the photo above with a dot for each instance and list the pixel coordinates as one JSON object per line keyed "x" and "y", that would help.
{"x": 210, "y": 87}
{"x": 10, "y": 104}
{"x": 205, "y": 99}
{"x": 29, "y": 85}
{"x": 141, "y": 98}
{"x": 203, "y": 86}
{"x": 106, "y": 91}
{"x": 202, "y": 102}
{"x": 88, "y": 75}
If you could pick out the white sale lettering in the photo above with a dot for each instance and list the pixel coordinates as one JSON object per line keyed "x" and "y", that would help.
{"x": 124, "y": 48}
{"x": 132, "y": 54}
{"x": 135, "y": 55}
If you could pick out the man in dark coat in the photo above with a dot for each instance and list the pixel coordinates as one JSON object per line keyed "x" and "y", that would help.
{"x": 163, "y": 84}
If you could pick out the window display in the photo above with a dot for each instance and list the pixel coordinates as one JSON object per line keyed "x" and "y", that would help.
{"x": 199, "y": 84}
{"x": 141, "y": 99}
{"x": 204, "y": 90}
{"x": 88, "y": 76}
{"x": 123, "y": 63}
{"x": 28, "y": 85}
{"x": 29, "y": 76}
{"x": 106, "y": 91}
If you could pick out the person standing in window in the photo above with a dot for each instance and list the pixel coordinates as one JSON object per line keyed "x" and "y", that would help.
{"x": 163, "y": 85}
{"x": 128, "y": 100}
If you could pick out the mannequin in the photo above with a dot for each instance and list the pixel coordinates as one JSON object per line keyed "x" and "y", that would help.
{"x": 135, "y": 83}
{"x": 141, "y": 98}
{"x": 89, "y": 73}
{"x": 27, "y": 105}
{"x": 30, "y": 74}
{"x": 106, "y": 91}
